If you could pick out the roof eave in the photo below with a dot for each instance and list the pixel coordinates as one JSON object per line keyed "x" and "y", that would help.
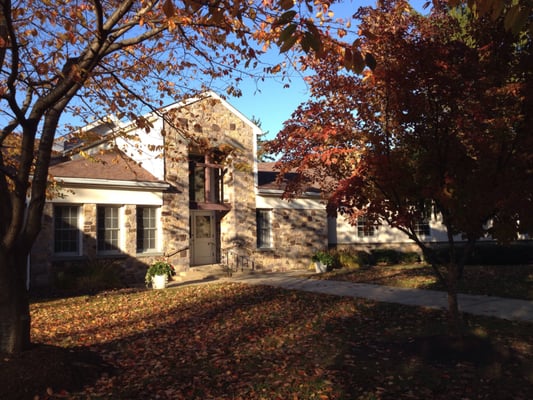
{"x": 118, "y": 184}
{"x": 279, "y": 193}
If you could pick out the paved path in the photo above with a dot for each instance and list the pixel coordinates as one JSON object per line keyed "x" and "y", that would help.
{"x": 511, "y": 309}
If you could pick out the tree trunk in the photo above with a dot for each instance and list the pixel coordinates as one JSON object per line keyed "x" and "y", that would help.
{"x": 454, "y": 316}
{"x": 14, "y": 304}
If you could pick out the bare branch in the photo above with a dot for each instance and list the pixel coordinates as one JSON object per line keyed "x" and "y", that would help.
{"x": 99, "y": 19}
{"x": 4, "y": 37}
{"x": 11, "y": 41}
{"x": 155, "y": 110}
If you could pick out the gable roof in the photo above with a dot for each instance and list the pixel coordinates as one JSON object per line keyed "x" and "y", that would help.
{"x": 100, "y": 131}
{"x": 112, "y": 165}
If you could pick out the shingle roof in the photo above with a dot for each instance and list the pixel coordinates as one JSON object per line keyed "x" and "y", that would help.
{"x": 267, "y": 176}
{"x": 111, "y": 165}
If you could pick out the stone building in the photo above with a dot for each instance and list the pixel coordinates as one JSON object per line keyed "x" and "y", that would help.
{"x": 184, "y": 186}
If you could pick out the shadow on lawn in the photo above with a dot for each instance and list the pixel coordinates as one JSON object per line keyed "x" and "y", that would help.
{"x": 43, "y": 368}
{"x": 251, "y": 342}
{"x": 267, "y": 343}
{"x": 417, "y": 359}
{"x": 512, "y": 281}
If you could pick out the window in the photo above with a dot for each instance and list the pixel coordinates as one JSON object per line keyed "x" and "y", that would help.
{"x": 264, "y": 229}
{"x": 108, "y": 229}
{"x": 197, "y": 179}
{"x": 146, "y": 229}
{"x": 421, "y": 224}
{"x": 66, "y": 231}
{"x": 422, "y": 228}
{"x": 364, "y": 228}
{"x": 205, "y": 181}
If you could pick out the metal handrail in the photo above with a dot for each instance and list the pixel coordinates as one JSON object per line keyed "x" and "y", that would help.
{"x": 176, "y": 252}
{"x": 233, "y": 260}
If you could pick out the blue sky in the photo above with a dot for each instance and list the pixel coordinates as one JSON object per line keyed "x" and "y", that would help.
{"x": 268, "y": 101}
{"x": 272, "y": 104}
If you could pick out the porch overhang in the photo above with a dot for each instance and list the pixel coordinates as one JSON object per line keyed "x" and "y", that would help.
{"x": 210, "y": 206}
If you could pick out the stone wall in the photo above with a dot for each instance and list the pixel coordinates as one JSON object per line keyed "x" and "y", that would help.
{"x": 175, "y": 212}
{"x": 203, "y": 126}
{"x": 200, "y": 126}
{"x": 42, "y": 251}
{"x": 46, "y": 265}
{"x": 297, "y": 234}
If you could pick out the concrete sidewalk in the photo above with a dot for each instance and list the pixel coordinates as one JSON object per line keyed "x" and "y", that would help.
{"x": 511, "y": 309}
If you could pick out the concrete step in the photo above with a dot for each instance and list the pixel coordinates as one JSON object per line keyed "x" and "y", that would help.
{"x": 209, "y": 272}
{"x": 199, "y": 273}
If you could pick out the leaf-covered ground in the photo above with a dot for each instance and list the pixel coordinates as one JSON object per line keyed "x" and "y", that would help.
{"x": 512, "y": 281}
{"x": 232, "y": 341}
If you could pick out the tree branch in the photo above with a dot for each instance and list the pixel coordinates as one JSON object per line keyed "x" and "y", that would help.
{"x": 4, "y": 37}
{"x": 40, "y": 173}
{"x": 100, "y": 33}
{"x": 150, "y": 106}
{"x": 10, "y": 35}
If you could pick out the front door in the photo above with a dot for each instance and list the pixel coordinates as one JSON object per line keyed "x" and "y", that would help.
{"x": 203, "y": 239}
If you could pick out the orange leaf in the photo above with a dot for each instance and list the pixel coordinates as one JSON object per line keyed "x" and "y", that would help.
{"x": 168, "y": 8}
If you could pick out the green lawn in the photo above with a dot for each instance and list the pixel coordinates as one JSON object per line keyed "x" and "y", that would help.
{"x": 233, "y": 341}
{"x": 513, "y": 281}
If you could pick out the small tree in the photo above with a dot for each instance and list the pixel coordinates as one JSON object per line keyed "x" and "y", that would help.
{"x": 441, "y": 124}
{"x": 262, "y": 152}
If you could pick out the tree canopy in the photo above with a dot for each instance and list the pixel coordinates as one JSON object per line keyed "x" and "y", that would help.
{"x": 440, "y": 124}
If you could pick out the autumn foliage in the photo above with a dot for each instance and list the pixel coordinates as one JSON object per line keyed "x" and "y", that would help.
{"x": 66, "y": 64}
{"x": 441, "y": 125}
{"x": 234, "y": 341}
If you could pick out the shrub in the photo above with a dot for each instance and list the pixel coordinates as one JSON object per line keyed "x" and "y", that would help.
{"x": 324, "y": 257}
{"x": 364, "y": 258}
{"x": 348, "y": 260}
{"x": 358, "y": 259}
{"x": 386, "y": 256}
{"x": 90, "y": 276}
{"x": 409, "y": 257}
{"x": 494, "y": 254}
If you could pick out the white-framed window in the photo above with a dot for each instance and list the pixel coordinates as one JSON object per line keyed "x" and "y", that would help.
{"x": 108, "y": 229}
{"x": 67, "y": 234}
{"x": 422, "y": 228}
{"x": 365, "y": 228}
{"x": 147, "y": 229}
{"x": 264, "y": 228}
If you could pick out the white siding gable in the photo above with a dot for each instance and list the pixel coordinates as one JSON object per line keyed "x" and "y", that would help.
{"x": 146, "y": 148}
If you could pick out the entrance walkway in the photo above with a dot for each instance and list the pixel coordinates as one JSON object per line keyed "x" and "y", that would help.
{"x": 511, "y": 309}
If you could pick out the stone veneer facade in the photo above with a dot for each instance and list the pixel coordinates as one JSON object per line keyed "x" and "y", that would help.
{"x": 296, "y": 235}
{"x": 45, "y": 265}
{"x": 218, "y": 127}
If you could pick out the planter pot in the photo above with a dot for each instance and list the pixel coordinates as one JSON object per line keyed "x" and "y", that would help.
{"x": 159, "y": 282}
{"x": 320, "y": 267}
